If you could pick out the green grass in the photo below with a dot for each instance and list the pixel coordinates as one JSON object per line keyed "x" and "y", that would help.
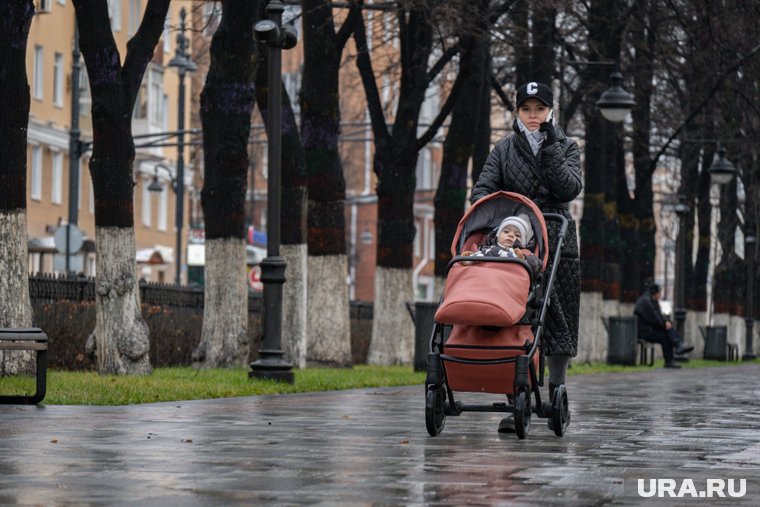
{"x": 596, "y": 368}
{"x": 174, "y": 384}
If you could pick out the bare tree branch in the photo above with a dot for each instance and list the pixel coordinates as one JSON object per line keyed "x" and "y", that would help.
{"x": 374, "y": 104}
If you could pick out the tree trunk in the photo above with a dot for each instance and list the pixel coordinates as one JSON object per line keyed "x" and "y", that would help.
{"x": 121, "y": 335}
{"x": 697, "y": 299}
{"x": 542, "y": 50}
{"x": 451, "y": 194}
{"x": 637, "y": 225}
{"x": 329, "y": 322}
{"x": 225, "y": 310}
{"x": 226, "y": 105}
{"x": 329, "y": 330}
{"x": 600, "y": 269}
{"x": 294, "y": 304}
{"x": 15, "y": 306}
{"x": 393, "y": 335}
{"x": 395, "y": 163}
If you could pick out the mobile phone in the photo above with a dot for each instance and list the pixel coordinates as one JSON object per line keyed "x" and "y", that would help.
{"x": 550, "y": 117}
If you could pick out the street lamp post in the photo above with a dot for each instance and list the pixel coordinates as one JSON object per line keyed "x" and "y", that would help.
{"x": 614, "y": 103}
{"x": 75, "y": 146}
{"x": 183, "y": 64}
{"x": 682, "y": 211}
{"x": 749, "y": 309}
{"x": 276, "y": 37}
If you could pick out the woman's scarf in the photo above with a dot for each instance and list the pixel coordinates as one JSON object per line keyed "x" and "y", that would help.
{"x": 535, "y": 138}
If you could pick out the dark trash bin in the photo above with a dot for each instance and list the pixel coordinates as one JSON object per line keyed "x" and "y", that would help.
{"x": 716, "y": 343}
{"x": 424, "y": 322}
{"x": 621, "y": 347}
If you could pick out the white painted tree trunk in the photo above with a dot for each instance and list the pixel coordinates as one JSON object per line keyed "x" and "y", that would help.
{"x": 224, "y": 339}
{"x": 329, "y": 312}
{"x": 15, "y": 306}
{"x": 392, "y": 327}
{"x": 294, "y": 298}
{"x": 122, "y": 343}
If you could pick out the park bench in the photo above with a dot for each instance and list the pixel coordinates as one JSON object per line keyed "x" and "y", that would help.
{"x": 646, "y": 352}
{"x": 27, "y": 339}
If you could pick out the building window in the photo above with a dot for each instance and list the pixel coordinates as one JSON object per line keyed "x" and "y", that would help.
{"x": 114, "y": 14}
{"x": 140, "y": 111}
{"x": 36, "y": 173}
{"x": 424, "y": 170}
{"x": 84, "y": 93}
{"x": 91, "y": 203}
{"x": 38, "y": 75}
{"x": 156, "y": 97}
{"x": 163, "y": 205}
{"x": 79, "y": 182}
{"x": 135, "y": 14}
{"x": 417, "y": 249}
{"x": 44, "y": 5}
{"x": 212, "y": 13}
{"x": 58, "y": 80}
{"x": 56, "y": 191}
{"x": 146, "y": 202}
{"x": 165, "y": 113}
{"x": 167, "y": 33}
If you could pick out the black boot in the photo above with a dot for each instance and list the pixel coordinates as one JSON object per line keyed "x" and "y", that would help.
{"x": 552, "y": 387}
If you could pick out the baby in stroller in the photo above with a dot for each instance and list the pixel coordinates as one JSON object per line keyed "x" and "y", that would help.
{"x": 512, "y": 238}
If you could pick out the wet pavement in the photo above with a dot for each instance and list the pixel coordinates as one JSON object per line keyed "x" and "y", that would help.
{"x": 370, "y": 447}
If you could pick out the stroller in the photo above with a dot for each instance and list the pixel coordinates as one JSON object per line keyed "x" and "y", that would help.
{"x": 489, "y": 323}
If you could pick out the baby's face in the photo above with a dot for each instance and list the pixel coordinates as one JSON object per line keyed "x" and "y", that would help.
{"x": 508, "y": 236}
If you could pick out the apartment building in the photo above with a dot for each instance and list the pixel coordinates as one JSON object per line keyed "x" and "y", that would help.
{"x": 155, "y": 119}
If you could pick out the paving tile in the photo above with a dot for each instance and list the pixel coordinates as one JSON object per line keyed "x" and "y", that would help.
{"x": 370, "y": 447}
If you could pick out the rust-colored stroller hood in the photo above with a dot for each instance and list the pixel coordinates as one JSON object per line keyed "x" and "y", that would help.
{"x": 488, "y": 212}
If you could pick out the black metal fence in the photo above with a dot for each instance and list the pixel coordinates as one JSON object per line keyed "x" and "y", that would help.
{"x": 47, "y": 287}
{"x": 64, "y": 306}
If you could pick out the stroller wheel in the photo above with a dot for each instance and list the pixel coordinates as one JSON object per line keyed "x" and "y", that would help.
{"x": 434, "y": 415}
{"x": 522, "y": 414}
{"x": 560, "y": 416}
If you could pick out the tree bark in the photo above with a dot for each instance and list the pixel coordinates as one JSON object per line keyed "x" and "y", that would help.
{"x": 451, "y": 194}
{"x": 328, "y": 312}
{"x": 600, "y": 269}
{"x": 226, "y": 104}
{"x": 394, "y": 164}
{"x": 15, "y": 306}
{"x": 121, "y": 335}
{"x": 225, "y": 310}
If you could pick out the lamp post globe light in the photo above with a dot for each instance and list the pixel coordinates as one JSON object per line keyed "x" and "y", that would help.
{"x": 615, "y": 103}
{"x": 275, "y": 37}
{"x": 721, "y": 170}
{"x": 183, "y": 64}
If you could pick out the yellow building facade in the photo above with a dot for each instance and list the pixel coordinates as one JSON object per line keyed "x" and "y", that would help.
{"x": 155, "y": 120}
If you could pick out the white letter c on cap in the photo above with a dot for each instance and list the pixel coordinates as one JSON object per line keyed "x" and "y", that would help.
{"x": 532, "y": 88}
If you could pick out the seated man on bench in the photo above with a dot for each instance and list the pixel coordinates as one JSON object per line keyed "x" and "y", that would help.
{"x": 654, "y": 328}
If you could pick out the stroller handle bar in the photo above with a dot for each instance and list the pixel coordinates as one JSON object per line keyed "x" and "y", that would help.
{"x": 552, "y": 274}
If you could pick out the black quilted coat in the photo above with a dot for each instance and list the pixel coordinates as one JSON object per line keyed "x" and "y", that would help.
{"x": 551, "y": 180}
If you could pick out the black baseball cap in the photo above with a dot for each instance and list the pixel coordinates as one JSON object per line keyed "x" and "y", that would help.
{"x": 535, "y": 90}
{"x": 654, "y": 288}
